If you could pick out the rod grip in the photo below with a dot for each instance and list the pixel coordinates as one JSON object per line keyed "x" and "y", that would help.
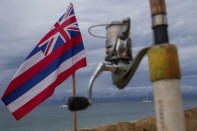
{"x": 157, "y": 7}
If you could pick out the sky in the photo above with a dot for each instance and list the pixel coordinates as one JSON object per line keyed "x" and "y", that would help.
{"x": 24, "y": 22}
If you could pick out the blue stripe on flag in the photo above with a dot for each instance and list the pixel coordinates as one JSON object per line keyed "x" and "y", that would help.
{"x": 33, "y": 52}
{"x": 42, "y": 74}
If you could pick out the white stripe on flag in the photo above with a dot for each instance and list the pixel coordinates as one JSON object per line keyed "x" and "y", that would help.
{"x": 37, "y": 89}
{"x": 33, "y": 60}
{"x": 64, "y": 66}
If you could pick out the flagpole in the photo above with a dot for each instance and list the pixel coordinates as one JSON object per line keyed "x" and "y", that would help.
{"x": 74, "y": 94}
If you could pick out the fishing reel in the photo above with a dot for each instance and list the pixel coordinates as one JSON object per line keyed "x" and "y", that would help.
{"x": 118, "y": 53}
{"x": 119, "y": 61}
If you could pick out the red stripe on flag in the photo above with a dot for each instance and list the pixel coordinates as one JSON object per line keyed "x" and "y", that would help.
{"x": 29, "y": 106}
{"x": 41, "y": 65}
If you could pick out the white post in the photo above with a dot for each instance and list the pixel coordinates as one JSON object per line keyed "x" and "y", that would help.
{"x": 168, "y": 105}
{"x": 165, "y": 75}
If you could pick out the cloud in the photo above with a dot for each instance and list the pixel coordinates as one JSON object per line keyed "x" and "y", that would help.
{"x": 23, "y": 23}
{"x": 188, "y": 64}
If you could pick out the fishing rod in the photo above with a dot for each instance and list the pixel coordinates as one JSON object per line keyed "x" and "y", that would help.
{"x": 163, "y": 67}
{"x": 165, "y": 73}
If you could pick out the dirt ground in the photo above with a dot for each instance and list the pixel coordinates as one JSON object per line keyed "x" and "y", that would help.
{"x": 147, "y": 124}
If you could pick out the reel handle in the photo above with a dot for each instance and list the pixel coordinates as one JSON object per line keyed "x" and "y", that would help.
{"x": 77, "y": 103}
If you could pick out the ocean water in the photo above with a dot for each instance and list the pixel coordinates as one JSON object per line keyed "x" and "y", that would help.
{"x": 52, "y": 118}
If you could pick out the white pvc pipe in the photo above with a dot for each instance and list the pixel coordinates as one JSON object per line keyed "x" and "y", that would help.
{"x": 168, "y": 105}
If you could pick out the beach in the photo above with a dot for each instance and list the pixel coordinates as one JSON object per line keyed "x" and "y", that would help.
{"x": 148, "y": 124}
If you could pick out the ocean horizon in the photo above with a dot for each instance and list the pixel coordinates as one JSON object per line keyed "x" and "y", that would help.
{"x": 48, "y": 117}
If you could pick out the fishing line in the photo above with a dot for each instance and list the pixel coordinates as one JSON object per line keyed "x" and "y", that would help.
{"x": 93, "y": 26}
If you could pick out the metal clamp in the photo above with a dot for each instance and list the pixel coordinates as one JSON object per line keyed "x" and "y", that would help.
{"x": 159, "y": 19}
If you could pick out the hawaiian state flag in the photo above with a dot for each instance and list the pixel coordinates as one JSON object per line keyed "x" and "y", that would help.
{"x": 59, "y": 54}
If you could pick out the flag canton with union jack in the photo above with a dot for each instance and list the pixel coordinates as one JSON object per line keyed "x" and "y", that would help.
{"x": 58, "y": 55}
{"x": 63, "y": 30}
